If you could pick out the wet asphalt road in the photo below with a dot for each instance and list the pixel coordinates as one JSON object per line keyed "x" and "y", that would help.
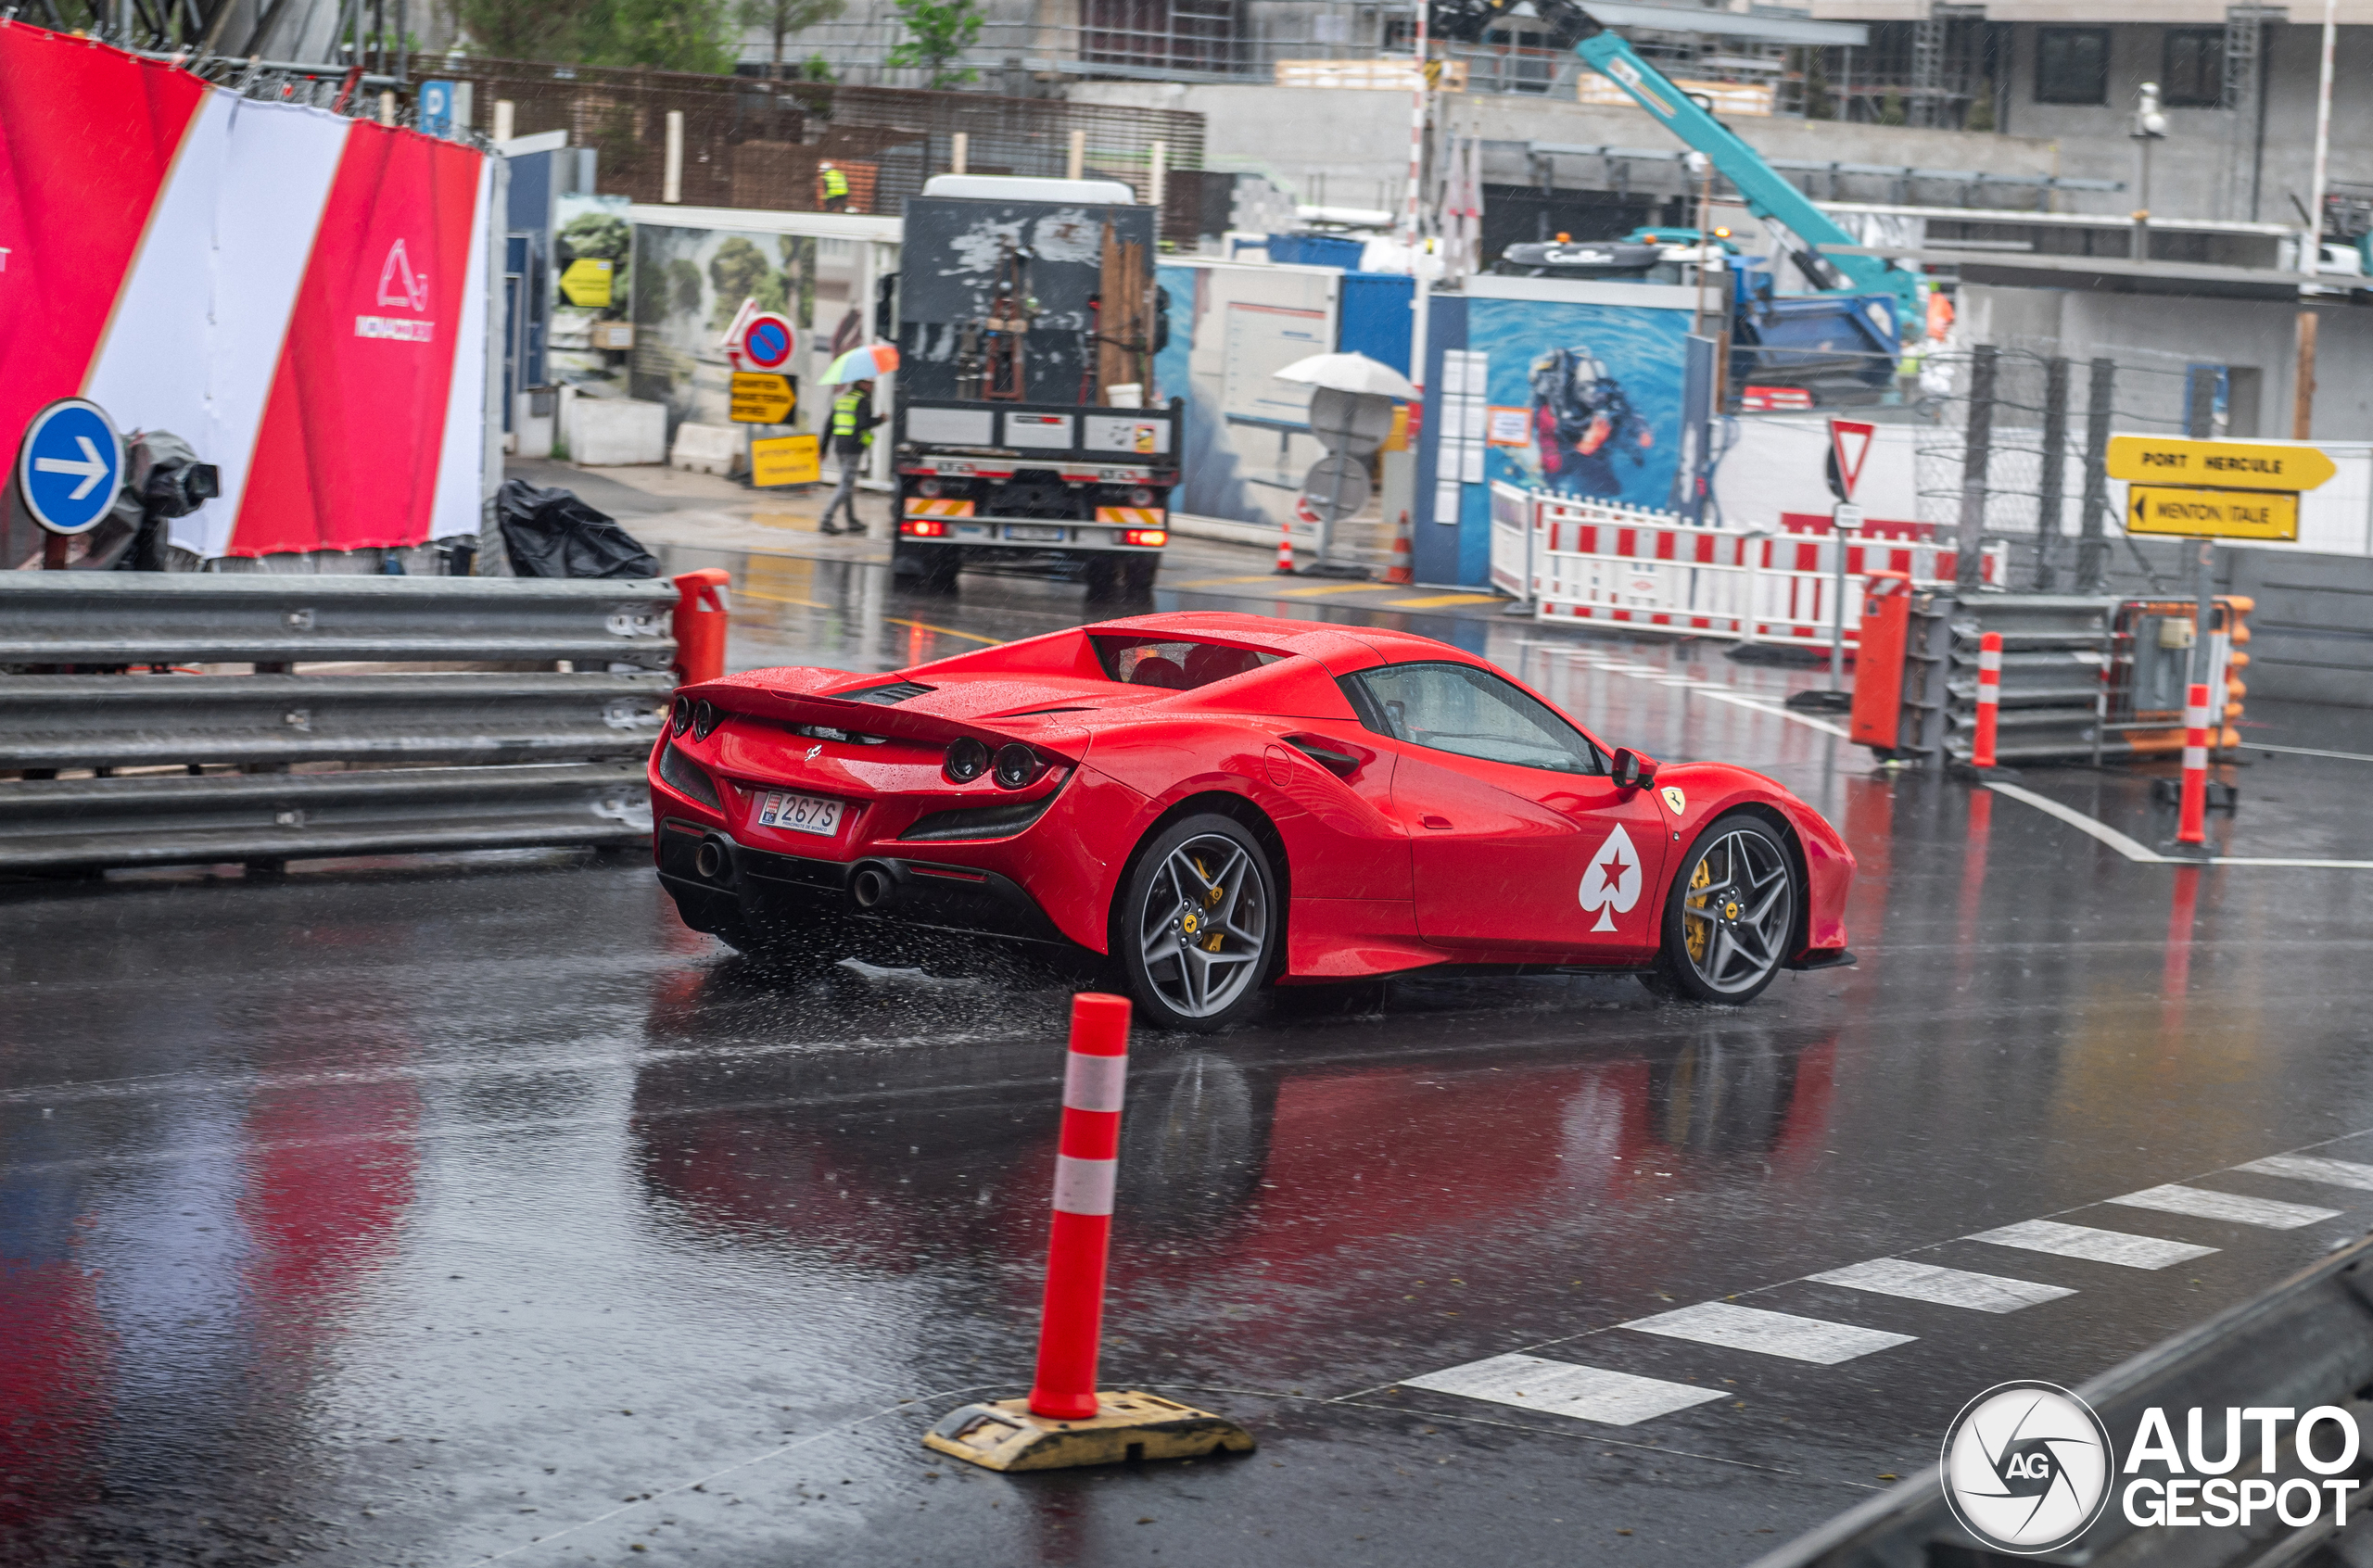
{"x": 450, "y": 1210}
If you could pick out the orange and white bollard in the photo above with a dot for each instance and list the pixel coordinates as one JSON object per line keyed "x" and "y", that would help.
{"x": 1403, "y": 567}
{"x": 1989, "y": 698}
{"x": 1066, "y": 1421}
{"x": 1087, "y": 1159}
{"x": 2191, "y": 819}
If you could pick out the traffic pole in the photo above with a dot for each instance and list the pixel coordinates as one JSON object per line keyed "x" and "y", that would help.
{"x": 1087, "y": 1158}
{"x": 2191, "y": 821}
{"x": 1989, "y": 698}
{"x": 1066, "y": 1421}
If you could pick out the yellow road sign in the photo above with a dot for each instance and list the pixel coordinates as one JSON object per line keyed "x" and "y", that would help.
{"x": 586, "y": 282}
{"x": 2212, "y": 514}
{"x": 2238, "y": 465}
{"x": 760, "y": 398}
{"x": 785, "y": 460}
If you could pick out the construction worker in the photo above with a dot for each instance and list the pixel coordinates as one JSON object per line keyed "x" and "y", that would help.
{"x": 852, "y": 423}
{"x": 833, "y": 187}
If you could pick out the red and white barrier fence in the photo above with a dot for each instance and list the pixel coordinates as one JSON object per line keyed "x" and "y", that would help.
{"x": 1609, "y": 563}
{"x": 2191, "y": 821}
{"x": 1989, "y": 698}
{"x": 1087, "y": 1161}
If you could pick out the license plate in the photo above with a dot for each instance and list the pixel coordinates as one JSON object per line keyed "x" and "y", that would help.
{"x": 800, "y": 814}
{"x": 1033, "y": 534}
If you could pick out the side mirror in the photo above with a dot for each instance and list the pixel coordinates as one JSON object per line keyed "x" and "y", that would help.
{"x": 1632, "y": 771}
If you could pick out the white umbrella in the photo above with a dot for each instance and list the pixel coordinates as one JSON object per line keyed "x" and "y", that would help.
{"x": 1350, "y": 372}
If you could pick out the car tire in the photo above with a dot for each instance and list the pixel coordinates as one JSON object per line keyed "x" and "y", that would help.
{"x": 1102, "y": 576}
{"x": 1721, "y": 948}
{"x": 1198, "y": 929}
{"x": 929, "y": 568}
{"x": 1136, "y": 578}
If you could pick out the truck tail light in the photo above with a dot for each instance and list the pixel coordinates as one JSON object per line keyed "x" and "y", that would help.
{"x": 923, "y": 529}
{"x": 1145, "y": 537}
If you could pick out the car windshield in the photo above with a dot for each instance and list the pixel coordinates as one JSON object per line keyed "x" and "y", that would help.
{"x": 1175, "y": 664}
{"x": 1473, "y": 713}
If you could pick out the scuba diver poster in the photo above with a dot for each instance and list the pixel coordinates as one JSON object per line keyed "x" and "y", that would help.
{"x": 1600, "y": 387}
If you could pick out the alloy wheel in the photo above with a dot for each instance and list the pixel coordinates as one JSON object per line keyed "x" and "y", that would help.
{"x": 1204, "y": 927}
{"x": 1737, "y": 911}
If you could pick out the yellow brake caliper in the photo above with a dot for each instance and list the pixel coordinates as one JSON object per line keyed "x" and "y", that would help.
{"x": 1696, "y": 924}
{"x": 1211, "y": 901}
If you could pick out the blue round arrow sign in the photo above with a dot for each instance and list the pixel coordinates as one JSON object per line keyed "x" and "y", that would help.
{"x": 70, "y": 465}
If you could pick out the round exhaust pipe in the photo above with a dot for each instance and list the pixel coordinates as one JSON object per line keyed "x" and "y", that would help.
{"x": 714, "y": 859}
{"x": 870, "y": 887}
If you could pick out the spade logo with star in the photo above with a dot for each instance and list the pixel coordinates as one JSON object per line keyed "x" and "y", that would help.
{"x": 1611, "y": 881}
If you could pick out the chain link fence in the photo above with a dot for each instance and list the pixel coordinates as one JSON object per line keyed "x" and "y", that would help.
{"x": 2012, "y": 440}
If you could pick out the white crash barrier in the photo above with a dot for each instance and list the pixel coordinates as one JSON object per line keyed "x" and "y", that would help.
{"x": 1644, "y": 570}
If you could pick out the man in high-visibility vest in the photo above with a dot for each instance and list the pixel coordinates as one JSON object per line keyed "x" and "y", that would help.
{"x": 832, "y": 186}
{"x": 852, "y": 423}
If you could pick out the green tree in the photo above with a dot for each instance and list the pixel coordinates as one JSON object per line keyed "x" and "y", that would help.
{"x": 684, "y": 287}
{"x": 1891, "y": 109}
{"x": 1981, "y": 107}
{"x": 668, "y": 34}
{"x": 783, "y": 17}
{"x": 816, "y": 67}
{"x": 938, "y": 31}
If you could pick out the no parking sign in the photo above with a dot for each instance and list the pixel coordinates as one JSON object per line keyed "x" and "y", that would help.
{"x": 767, "y": 342}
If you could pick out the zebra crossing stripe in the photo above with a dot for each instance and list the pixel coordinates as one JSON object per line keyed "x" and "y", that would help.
{"x": 1768, "y": 1334}
{"x": 1945, "y": 1287}
{"x": 2203, "y": 1203}
{"x": 2096, "y": 1246}
{"x": 1535, "y": 1383}
{"x": 2308, "y": 1167}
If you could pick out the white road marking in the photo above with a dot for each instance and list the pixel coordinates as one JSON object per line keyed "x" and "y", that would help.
{"x": 2097, "y": 1246}
{"x": 1534, "y": 1382}
{"x": 2303, "y": 751}
{"x": 1771, "y": 1334}
{"x": 1945, "y": 1287}
{"x": 2081, "y": 822}
{"x": 2279, "y": 860}
{"x": 2308, "y": 1167}
{"x": 1663, "y": 677}
{"x": 2206, "y": 1205}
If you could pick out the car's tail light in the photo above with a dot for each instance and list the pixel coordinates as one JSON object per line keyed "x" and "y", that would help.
{"x": 1017, "y": 765}
{"x": 1141, "y": 497}
{"x": 923, "y": 529}
{"x": 1145, "y": 537}
{"x": 967, "y": 759}
{"x": 704, "y": 720}
{"x": 681, "y": 720}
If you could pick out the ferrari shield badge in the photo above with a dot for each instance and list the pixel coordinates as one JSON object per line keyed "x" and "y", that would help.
{"x": 1611, "y": 881}
{"x": 1674, "y": 800}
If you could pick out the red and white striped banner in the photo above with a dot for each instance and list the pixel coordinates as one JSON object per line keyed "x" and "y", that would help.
{"x": 301, "y": 296}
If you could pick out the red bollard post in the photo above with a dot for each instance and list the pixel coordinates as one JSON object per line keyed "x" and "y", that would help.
{"x": 1087, "y": 1158}
{"x": 700, "y": 625}
{"x": 1989, "y": 698}
{"x": 2191, "y": 821}
{"x": 1067, "y": 1421}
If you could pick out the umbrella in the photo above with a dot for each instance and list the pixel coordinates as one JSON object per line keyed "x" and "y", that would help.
{"x": 1350, "y": 372}
{"x": 862, "y": 364}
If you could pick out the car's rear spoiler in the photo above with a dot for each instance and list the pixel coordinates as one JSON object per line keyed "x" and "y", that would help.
{"x": 1048, "y": 734}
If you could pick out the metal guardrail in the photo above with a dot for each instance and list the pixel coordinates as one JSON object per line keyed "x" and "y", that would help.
{"x": 2053, "y": 649}
{"x": 140, "y": 619}
{"x": 2305, "y": 1343}
{"x": 80, "y": 824}
{"x": 273, "y": 765}
{"x": 152, "y": 720}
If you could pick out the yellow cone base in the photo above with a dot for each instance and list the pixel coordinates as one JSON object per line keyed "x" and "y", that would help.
{"x": 1126, "y": 1426}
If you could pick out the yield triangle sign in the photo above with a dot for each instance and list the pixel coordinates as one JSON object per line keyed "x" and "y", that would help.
{"x": 1850, "y": 440}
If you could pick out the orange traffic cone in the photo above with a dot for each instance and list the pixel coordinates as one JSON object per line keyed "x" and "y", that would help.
{"x": 1403, "y": 567}
{"x": 1285, "y": 549}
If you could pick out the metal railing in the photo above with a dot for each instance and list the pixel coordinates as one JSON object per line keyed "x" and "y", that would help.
{"x": 163, "y": 720}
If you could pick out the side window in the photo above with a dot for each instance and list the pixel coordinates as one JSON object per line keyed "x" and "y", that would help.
{"x": 1472, "y": 713}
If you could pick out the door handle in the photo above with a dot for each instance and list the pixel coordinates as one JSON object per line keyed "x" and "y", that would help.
{"x": 1431, "y": 821}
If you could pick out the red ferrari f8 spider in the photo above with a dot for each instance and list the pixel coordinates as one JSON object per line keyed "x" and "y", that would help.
{"x": 1213, "y": 803}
